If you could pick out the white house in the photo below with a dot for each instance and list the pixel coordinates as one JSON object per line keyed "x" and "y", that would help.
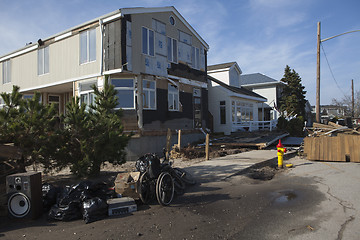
{"x": 268, "y": 87}
{"x": 232, "y": 107}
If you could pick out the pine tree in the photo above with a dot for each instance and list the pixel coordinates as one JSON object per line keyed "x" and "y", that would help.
{"x": 292, "y": 99}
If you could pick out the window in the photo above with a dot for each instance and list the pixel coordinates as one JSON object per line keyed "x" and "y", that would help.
{"x": 149, "y": 94}
{"x": 87, "y": 95}
{"x": 6, "y": 72}
{"x": 242, "y": 112}
{"x": 2, "y": 103}
{"x": 148, "y": 41}
{"x": 55, "y": 99}
{"x": 195, "y": 57}
{"x": 173, "y": 97}
{"x": 87, "y": 46}
{"x": 125, "y": 93}
{"x": 222, "y": 112}
{"x": 172, "y": 20}
{"x": 172, "y": 49}
{"x": 43, "y": 60}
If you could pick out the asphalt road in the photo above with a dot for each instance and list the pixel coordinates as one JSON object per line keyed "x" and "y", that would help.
{"x": 313, "y": 200}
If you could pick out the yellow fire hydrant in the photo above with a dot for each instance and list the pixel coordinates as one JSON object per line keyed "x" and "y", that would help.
{"x": 280, "y": 153}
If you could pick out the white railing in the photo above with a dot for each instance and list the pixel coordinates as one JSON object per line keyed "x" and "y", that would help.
{"x": 255, "y": 125}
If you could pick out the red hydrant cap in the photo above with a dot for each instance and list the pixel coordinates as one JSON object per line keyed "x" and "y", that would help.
{"x": 279, "y": 144}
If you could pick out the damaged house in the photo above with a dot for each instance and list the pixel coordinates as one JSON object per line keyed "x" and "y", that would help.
{"x": 153, "y": 57}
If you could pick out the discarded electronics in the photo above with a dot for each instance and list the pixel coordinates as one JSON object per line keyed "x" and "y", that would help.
{"x": 126, "y": 184}
{"x": 119, "y": 206}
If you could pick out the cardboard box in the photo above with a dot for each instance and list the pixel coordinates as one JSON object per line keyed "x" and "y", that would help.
{"x": 126, "y": 184}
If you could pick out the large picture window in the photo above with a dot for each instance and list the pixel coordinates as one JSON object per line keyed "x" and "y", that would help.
{"x": 43, "y": 60}
{"x": 125, "y": 93}
{"x": 87, "y": 95}
{"x": 148, "y": 41}
{"x": 6, "y": 72}
{"x": 149, "y": 94}
{"x": 173, "y": 97}
{"x": 242, "y": 112}
{"x": 87, "y": 46}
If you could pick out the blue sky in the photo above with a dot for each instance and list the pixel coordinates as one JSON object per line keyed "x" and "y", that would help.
{"x": 260, "y": 35}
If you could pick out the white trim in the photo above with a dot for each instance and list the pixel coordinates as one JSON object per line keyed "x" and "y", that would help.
{"x": 118, "y": 70}
{"x": 15, "y": 54}
{"x": 262, "y": 84}
{"x": 113, "y": 17}
{"x": 233, "y": 94}
{"x": 59, "y": 83}
{"x": 218, "y": 70}
{"x": 65, "y": 35}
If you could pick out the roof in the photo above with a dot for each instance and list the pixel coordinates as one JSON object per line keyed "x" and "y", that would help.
{"x": 256, "y": 78}
{"x": 221, "y": 66}
{"x": 239, "y": 90}
{"x": 108, "y": 17}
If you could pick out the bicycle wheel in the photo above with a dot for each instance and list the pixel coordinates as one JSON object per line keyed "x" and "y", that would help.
{"x": 144, "y": 188}
{"x": 185, "y": 176}
{"x": 164, "y": 189}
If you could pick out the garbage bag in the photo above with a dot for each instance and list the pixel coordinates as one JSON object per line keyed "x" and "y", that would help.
{"x": 73, "y": 193}
{"x": 94, "y": 209}
{"x": 69, "y": 212}
{"x": 50, "y": 194}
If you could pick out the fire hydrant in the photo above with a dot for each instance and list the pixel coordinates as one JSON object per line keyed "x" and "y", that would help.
{"x": 280, "y": 153}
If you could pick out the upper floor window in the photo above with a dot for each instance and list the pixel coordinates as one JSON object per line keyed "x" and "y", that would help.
{"x": 148, "y": 41}
{"x": 6, "y": 72}
{"x": 173, "y": 97}
{"x": 125, "y": 93}
{"x": 87, "y": 46}
{"x": 149, "y": 94}
{"x": 43, "y": 60}
{"x": 172, "y": 50}
{"x": 195, "y": 57}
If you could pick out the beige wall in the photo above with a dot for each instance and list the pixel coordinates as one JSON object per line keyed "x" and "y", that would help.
{"x": 64, "y": 64}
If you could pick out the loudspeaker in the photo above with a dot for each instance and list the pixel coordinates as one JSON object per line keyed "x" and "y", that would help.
{"x": 24, "y": 192}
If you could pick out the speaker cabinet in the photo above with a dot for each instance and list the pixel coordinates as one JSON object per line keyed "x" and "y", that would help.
{"x": 24, "y": 195}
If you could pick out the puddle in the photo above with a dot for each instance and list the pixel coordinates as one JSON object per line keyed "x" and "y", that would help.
{"x": 286, "y": 197}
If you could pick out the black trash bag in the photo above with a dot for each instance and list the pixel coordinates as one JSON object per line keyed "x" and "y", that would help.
{"x": 72, "y": 211}
{"x": 94, "y": 209}
{"x": 73, "y": 193}
{"x": 50, "y": 194}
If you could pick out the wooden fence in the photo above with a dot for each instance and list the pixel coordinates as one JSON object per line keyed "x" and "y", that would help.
{"x": 342, "y": 148}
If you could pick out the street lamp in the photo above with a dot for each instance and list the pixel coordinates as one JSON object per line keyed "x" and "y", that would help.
{"x": 319, "y": 41}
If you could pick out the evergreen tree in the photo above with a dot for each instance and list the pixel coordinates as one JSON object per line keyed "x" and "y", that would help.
{"x": 292, "y": 99}
{"x": 94, "y": 136}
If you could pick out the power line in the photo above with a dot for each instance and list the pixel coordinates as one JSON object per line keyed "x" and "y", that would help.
{"x": 332, "y": 74}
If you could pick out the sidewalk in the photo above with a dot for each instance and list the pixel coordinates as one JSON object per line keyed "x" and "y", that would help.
{"x": 222, "y": 167}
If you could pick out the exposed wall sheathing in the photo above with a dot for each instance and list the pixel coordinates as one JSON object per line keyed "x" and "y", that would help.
{"x": 342, "y": 148}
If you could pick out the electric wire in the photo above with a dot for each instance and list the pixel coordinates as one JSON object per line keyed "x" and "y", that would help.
{"x": 332, "y": 74}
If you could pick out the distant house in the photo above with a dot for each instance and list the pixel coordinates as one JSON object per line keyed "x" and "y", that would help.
{"x": 232, "y": 107}
{"x": 268, "y": 87}
{"x": 153, "y": 56}
{"x": 331, "y": 111}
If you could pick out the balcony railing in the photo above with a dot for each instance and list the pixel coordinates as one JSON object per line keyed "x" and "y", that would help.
{"x": 255, "y": 125}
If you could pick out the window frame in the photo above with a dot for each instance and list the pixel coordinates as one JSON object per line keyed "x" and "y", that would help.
{"x": 89, "y": 46}
{"x": 222, "y": 111}
{"x": 118, "y": 89}
{"x": 172, "y": 50}
{"x": 195, "y": 57}
{"x": 148, "y": 44}
{"x": 45, "y": 55}
{"x": 149, "y": 95}
{"x": 175, "y": 97}
{"x": 6, "y": 71}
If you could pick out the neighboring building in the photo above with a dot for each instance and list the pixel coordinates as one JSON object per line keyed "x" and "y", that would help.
{"x": 268, "y": 87}
{"x": 232, "y": 107}
{"x": 153, "y": 57}
{"x": 330, "y": 111}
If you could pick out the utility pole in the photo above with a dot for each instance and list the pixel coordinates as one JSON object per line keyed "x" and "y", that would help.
{"x": 352, "y": 98}
{"x": 318, "y": 74}
{"x": 319, "y": 40}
